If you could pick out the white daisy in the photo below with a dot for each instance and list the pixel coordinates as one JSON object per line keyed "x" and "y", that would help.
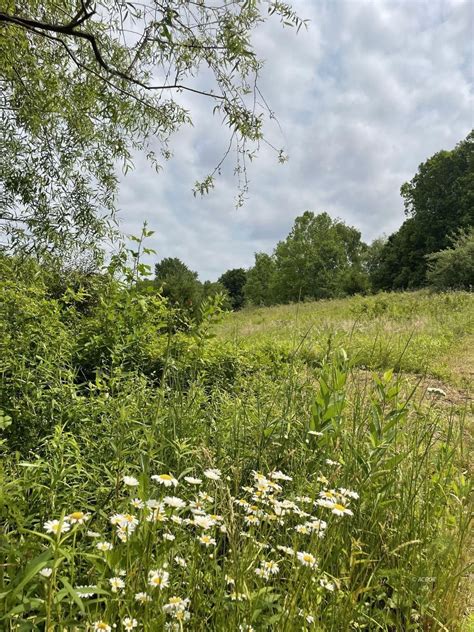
{"x": 174, "y": 501}
{"x": 168, "y": 480}
{"x": 116, "y": 584}
{"x": 306, "y": 559}
{"x": 130, "y": 481}
{"x": 56, "y": 526}
{"x": 192, "y": 480}
{"x": 212, "y": 473}
{"x": 158, "y": 579}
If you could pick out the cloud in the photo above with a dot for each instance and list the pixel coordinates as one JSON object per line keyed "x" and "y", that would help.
{"x": 369, "y": 91}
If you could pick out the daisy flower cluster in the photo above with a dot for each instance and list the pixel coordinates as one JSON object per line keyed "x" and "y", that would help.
{"x": 165, "y": 538}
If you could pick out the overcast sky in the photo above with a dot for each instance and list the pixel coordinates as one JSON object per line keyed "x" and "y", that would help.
{"x": 365, "y": 94}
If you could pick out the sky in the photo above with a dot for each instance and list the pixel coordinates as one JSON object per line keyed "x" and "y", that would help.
{"x": 362, "y": 96}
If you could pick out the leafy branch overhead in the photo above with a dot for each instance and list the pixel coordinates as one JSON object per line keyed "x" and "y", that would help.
{"x": 85, "y": 84}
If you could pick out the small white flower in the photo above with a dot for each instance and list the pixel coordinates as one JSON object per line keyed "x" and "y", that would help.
{"x": 348, "y": 493}
{"x": 130, "y": 481}
{"x": 180, "y": 561}
{"x": 340, "y": 510}
{"x": 168, "y": 480}
{"x": 306, "y": 559}
{"x": 137, "y": 503}
{"x": 192, "y": 480}
{"x": 279, "y": 476}
{"x": 212, "y": 473}
{"x": 205, "y": 521}
{"x": 116, "y": 584}
{"x": 101, "y": 626}
{"x": 56, "y": 526}
{"x": 142, "y": 597}
{"x": 174, "y": 501}
{"x": 129, "y": 623}
{"x": 207, "y": 540}
{"x": 331, "y": 462}
{"x": 46, "y": 571}
{"x": 93, "y": 534}
{"x": 169, "y": 536}
{"x": 158, "y": 579}
{"x": 324, "y": 583}
{"x": 175, "y": 604}
{"x": 78, "y": 517}
{"x": 104, "y": 546}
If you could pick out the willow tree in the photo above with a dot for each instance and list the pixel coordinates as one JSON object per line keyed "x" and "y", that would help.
{"x": 86, "y": 84}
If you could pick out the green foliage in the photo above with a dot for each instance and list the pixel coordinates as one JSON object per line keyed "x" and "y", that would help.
{"x": 258, "y": 289}
{"x": 234, "y": 281}
{"x": 439, "y": 201}
{"x": 453, "y": 268}
{"x": 89, "y": 95}
{"x": 320, "y": 258}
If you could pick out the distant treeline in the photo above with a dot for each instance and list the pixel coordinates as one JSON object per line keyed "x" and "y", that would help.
{"x": 325, "y": 258}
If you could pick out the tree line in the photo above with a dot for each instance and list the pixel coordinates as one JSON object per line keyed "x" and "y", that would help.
{"x": 325, "y": 258}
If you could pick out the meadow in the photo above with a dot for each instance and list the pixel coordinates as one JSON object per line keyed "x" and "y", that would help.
{"x": 303, "y": 467}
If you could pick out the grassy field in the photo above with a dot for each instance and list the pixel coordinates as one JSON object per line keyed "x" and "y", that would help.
{"x": 291, "y": 468}
{"x": 418, "y": 332}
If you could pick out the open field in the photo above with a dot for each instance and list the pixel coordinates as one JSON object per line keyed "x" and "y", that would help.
{"x": 276, "y": 474}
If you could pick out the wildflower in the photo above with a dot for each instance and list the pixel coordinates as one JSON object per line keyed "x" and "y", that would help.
{"x": 174, "y": 501}
{"x": 348, "y": 493}
{"x": 267, "y": 569}
{"x": 207, "y": 540}
{"x": 137, "y": 503}
{"x": 169, "y": 536}
{"x": 104, "y": 546}
{"x": 93, "y": 534}
{"x": 205, "y": 521}
{"x": 340, "y": 510}
{"x": 47, "y": 571}
{"x": 180, "y": 561}
{"x": 279, "y": 476}
{"x": 130, "y": 481}
{"x": 176, "y": 519}
{"x": 306, "y": 559}
{"x": 56, "y": 526}
{"x": 101, "y": 626}
{"x": 168, "y": 480}
{"x": 331, "y": 462}
{"x": 324, "y": 583}
{"x": 175, "y": 604}
{"x": 157, "y": 515}
{"x": 251, "y": 520}
{"x": 129, "y": 623}
{"x": 116, "y": 584}
{"x": 236, "y": 596}
{"x": 205, "y": 497}
{"x": 126, "y": 524}
{"x": 213, "y": 474}
{"x": 85, "y": 592}
{"x": 229, "y": 580}
{"x": 322, "y": 479}
{"x": 285, "y": 549}
{"x": 192, "y": 480}
{"x": 142, "y": 597}
{"x": 158, "y": 579}
{"x": 303, "y": 529}
{"x": 154, "y": 504}
{"x": 78, "y": 517}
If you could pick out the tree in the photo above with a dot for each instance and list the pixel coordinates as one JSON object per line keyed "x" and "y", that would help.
{"x": 453, "y": 268}
{"x": 234, "y": 281}
{"x": 258, "y": 289}
{"x": 439, "y": 201}
{"x": 320, "y": 258}
{"x": 179, "y": 284}
{"x": 85, "y": 84}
